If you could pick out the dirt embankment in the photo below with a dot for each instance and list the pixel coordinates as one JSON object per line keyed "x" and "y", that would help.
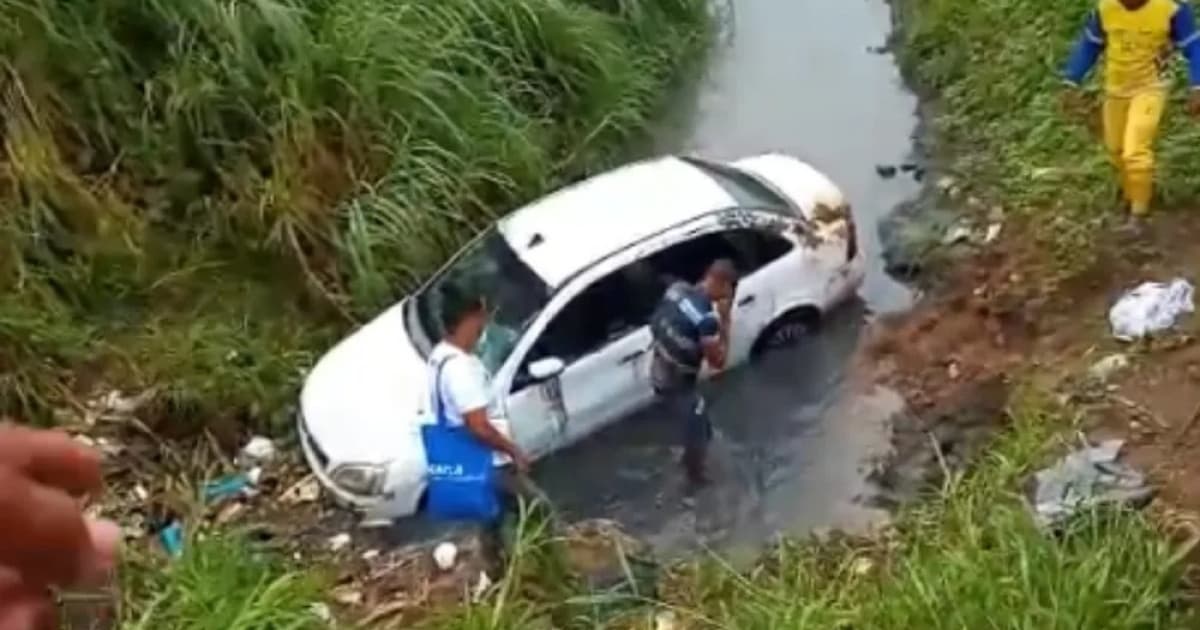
{"x": 1001, "y": 319}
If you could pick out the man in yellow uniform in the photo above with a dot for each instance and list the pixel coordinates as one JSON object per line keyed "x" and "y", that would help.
{"x": 1136, "y": 37}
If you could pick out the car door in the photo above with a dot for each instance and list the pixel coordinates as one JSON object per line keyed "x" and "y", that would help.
{"x": 602, "y": 338}
{"x": 750, "y": 248}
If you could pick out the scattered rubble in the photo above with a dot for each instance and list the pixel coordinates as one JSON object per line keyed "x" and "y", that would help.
{"x": 338, "y": 542}
{"x": 1105, "y": 368}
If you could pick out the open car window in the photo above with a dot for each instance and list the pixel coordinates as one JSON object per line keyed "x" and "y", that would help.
{"x": 624, "y": 300}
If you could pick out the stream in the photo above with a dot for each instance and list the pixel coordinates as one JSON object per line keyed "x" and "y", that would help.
{"x": 794, "y": 438}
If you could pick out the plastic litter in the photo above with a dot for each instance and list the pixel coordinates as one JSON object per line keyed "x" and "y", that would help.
{"x": 1151, "y": 307}
{"x": 171, "y": 538}
{"x": 259, "y": 450}
{"x": 1087, "y": 478}
{"x": 339, "y": 542}
{"x": 239, "y": 484}
{"x": 444, "y": 555}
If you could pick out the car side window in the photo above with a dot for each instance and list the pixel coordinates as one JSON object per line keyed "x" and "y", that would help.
{"x": 757, "y": 248}
{"x": 749, "y": 248}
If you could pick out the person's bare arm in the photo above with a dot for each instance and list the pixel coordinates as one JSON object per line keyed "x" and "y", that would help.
{"x": 478, "y": 424}
{"x": 716, "y": 349}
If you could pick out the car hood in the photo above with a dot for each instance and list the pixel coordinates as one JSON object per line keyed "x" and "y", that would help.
{"x": 363, "y": 401}
{"x": 809, "y": 188}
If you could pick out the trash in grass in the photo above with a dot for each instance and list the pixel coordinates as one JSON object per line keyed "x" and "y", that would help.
{"x": 1087, "y": 478}
{"x": 259, "y": 450}
{"x": 1151, "y": 307}
{"x": 238, "y": 484}
{"x": 171, "y": 538}
{"x": 306, "y": 490}
{"x": 339, "y": 542}
{"x": 444, "y": 555}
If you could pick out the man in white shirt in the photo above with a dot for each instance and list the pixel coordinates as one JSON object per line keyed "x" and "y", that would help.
{"x": 464, "y": 388}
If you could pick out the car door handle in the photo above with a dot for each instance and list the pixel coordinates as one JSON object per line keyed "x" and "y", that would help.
{"x": 631, "y": 357}
{"x": 746, "y": 301}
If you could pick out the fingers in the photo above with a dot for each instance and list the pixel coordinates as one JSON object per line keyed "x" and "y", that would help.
{"x": 23, "y": 607}
{"x": 43, "y": 534}
{"x": 51, "y": 458}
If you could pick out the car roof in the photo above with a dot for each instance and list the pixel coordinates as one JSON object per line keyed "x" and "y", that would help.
{"x": 573, "y": 228}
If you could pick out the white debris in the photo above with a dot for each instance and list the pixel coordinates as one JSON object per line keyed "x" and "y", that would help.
{"x": 254, "y": 475}
{"x": 322, "y": 612}
{"x": 1087, "y": 478}
{"x": 348, "y": 596}
{"x": 666, "y": 620}
{"x": 339, "y": 542}
{"x": 370, "y": 554}
{"x": 1105, "y": 368}
{"x": 957, "y": 233}
{"x": 953, "y": 371}
{"x": 444, "y": 555}
{"x": 141, "y": 493}
{"x": 306, "y": 490}
{"x": 993, "y": 233}
{"x": 947, "y": 185}
{"x": 84, "y": 440}
{"x": 481, "y": 586}
{"x": 259, "y": 450}
{"x": 862, "y": 566}
{"x": 1149, "y": 308}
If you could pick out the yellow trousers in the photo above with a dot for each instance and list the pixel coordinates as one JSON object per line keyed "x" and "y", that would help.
{"x": 1130, "y": 128}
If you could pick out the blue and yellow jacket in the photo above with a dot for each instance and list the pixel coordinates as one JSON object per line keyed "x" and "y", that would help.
{"x": 1136, "y": 45}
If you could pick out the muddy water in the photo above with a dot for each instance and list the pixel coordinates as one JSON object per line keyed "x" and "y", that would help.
{"x": 793, "y": 436}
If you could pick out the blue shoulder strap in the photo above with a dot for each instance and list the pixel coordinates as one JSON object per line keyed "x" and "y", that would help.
{"x": 438, "y": 406}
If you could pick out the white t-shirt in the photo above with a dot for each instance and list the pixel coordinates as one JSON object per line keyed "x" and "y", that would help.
{"x": 465, "y": 385}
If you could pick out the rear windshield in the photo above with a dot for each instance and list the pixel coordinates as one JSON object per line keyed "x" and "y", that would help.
{"x": 743, "y": 187}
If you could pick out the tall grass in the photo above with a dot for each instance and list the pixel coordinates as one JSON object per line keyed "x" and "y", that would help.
{"x": 312, "y": 157}
{"x": 995, "y": 66}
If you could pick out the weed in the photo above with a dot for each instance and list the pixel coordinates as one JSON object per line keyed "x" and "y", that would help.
{"x": 193, "y": 180}
{"x": 221, "y": 582}
{"x": 995, "y": 66}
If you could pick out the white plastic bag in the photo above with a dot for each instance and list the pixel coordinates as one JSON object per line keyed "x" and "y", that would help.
{"x": 1150, "y": 308}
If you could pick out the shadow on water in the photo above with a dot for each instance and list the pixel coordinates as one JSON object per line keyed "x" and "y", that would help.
{"x": 802, "y": 77}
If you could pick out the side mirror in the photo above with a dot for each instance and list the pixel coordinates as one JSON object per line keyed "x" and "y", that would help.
{"x": 545, "y": 369}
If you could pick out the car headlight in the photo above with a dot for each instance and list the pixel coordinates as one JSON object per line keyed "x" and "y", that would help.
{"x": 362, "y": 479}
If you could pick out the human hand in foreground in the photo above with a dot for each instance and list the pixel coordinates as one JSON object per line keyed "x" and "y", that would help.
{"x": 45, "y": 539}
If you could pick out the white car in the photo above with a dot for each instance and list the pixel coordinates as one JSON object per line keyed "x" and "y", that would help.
{"x": 572, "y": 279}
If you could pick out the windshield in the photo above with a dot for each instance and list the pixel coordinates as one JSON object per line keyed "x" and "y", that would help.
{"x": 512, "y": 292}
{"x": 743, "y": 187}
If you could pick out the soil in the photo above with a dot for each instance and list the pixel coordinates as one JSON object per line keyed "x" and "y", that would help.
{"x": 1002, "y": 316}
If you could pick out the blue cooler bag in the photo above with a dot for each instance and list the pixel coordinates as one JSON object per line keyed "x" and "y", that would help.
{"x": 460, "y": 473}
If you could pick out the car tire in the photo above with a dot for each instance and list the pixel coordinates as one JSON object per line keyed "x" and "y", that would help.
{"x": 787, "y": 331}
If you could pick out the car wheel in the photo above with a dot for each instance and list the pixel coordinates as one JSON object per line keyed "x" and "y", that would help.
{"x": 787, "y": 331}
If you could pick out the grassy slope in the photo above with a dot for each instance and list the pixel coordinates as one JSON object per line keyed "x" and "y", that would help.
{"x": 201, "y": 194}
{"x": 995, "y": 68}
